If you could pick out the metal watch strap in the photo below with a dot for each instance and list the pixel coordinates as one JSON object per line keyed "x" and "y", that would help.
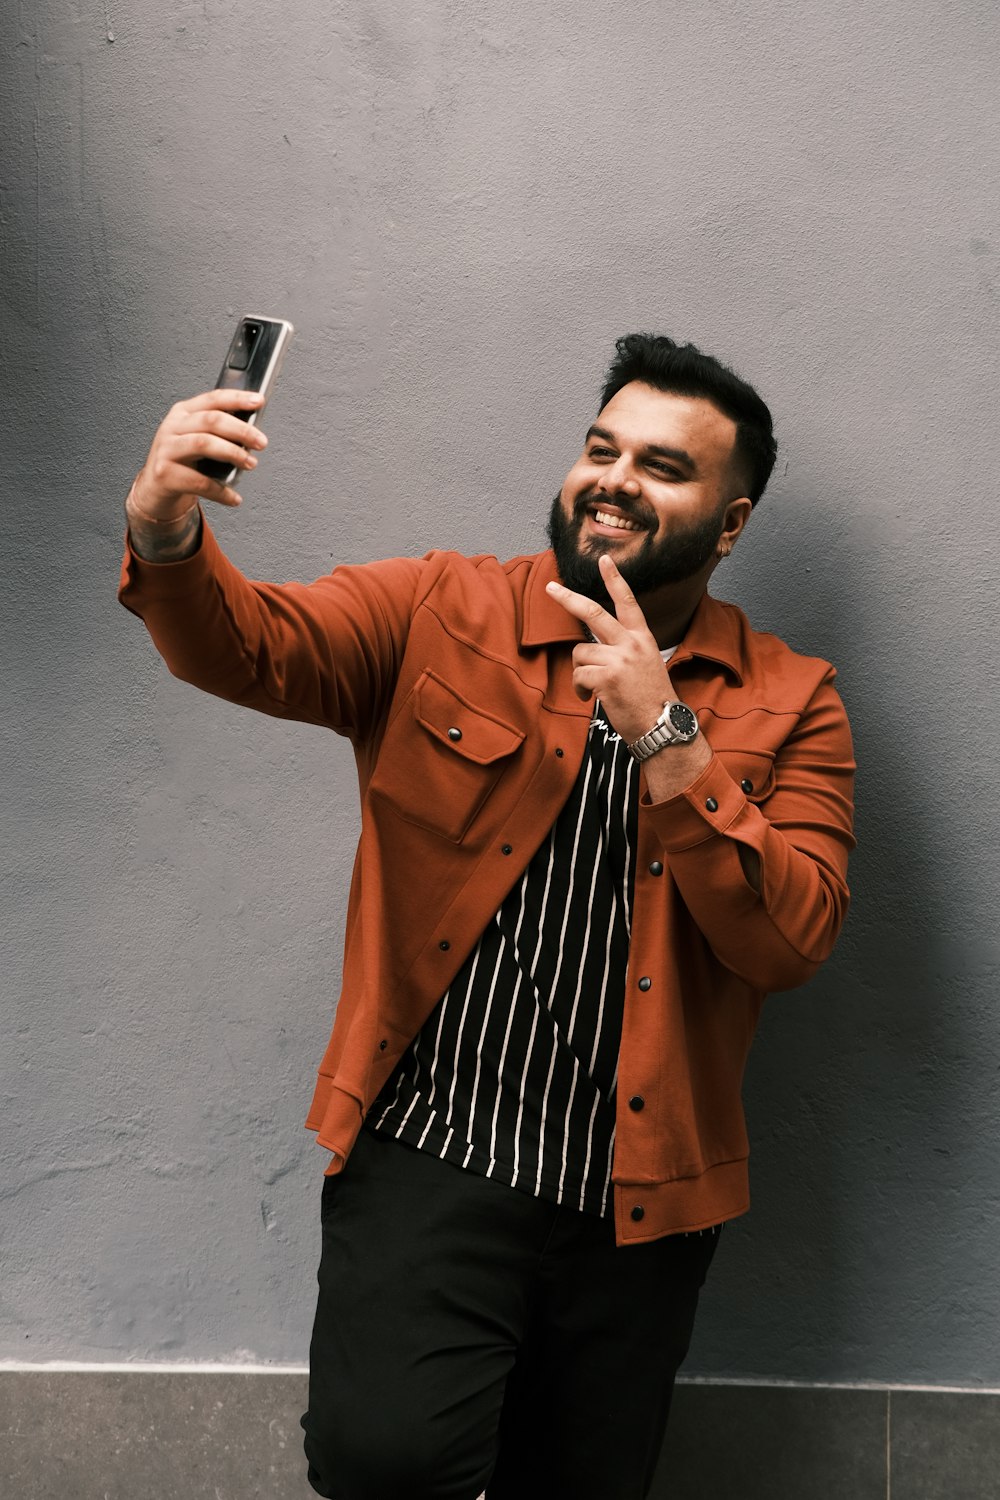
{"x": 662, "y": 734}
{"x": 648, "y": 744}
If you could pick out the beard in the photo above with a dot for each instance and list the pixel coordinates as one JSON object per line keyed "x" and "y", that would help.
{"x": 673, "y": 558}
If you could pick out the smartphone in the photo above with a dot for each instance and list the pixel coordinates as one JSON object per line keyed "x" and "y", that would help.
{"x": 252, "y": 364}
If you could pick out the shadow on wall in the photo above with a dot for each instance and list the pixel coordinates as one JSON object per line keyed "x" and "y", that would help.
{"x": 854, "y": 1104}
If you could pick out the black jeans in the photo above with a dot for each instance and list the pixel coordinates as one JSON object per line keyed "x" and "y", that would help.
{"x": 469, "y": 1337}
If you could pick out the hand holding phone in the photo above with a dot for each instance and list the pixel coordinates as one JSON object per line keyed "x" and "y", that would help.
{"x": 253, "y": 363}
{"x": 204, "y": 442}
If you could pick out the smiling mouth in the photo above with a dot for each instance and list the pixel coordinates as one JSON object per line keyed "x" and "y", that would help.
{"x": 618, "y": 523}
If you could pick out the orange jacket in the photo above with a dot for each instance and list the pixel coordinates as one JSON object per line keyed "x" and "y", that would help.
{"x": 452, "y": 677}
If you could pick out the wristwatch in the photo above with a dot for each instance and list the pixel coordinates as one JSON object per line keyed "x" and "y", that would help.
{"x": 677, "y": 725}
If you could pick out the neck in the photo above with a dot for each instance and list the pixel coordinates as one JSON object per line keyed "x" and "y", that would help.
{"x": 668, "y": 610}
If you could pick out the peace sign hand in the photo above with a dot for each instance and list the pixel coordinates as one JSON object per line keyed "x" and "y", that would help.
{"x": 622, "y": 666}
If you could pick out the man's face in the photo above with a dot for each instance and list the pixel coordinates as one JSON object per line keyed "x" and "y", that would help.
{"x": 651, "y": 487}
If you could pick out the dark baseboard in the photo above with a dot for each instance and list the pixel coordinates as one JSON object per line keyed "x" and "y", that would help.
{"x": 218, "y": 1435}
{"x": 774, "y": 1442}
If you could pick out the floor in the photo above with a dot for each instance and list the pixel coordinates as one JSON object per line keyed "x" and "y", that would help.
{"x": 219, "y": 1436}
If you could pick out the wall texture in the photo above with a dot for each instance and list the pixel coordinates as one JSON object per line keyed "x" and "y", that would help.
{"x": 460, "y": 205}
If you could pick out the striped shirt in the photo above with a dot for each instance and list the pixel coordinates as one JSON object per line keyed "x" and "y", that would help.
{"x": 513, "y": 1075}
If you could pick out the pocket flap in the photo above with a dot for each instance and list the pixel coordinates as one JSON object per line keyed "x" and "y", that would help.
{"x": 752, "y": 770}
{"x": 469, "y": 731}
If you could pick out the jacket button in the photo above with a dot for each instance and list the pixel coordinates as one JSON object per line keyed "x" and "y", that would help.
{"x": 645, "y": 983}
{"x": 444, "y": 945}
{"x": 656, "y": 868}
{"x": 746, "y": 785}
{"x": 638, "y": 1212}
{"x": 382, "y": 1046}
{"x": 637, "y": 1102}
{"x": 711, "y": 804}
{"x": 507, "y": 849}
{"x": 560, "y": 754}
{"x": 454, "y": 733}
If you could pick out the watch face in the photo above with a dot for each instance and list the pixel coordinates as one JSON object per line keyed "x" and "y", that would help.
{"x": 682, "y": 721}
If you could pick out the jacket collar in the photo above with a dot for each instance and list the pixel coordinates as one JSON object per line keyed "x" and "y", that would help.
{"x": 544, "y": 621}
{"x": 713, "y": 634}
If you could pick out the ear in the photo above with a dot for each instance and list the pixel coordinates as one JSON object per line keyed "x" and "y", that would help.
{"x": 736, "y": 517}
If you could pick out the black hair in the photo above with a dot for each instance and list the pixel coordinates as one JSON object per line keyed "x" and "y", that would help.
{"x": 683, "y": 370}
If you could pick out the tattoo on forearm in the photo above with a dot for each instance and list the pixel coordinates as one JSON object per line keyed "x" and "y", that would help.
{"x": 165, "y": 541}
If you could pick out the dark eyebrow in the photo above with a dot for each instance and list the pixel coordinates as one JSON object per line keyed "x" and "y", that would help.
{"x": 676, "y": 455}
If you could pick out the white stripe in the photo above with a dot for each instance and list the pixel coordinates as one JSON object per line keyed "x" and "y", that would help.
{"x": 482, "y": 1036}
{"x": 409, "y": 1110}
{"x": 521, "y": 971}
{"x": 607, "y": 959}
{"x": 602, "y": 852}
{"x": 631, "y": 766}
{"x": 517, "y": 983}
{"x": 603, "y": 990}
{"x": 630, "y": 791}
{"x": 590, "y": 1148}
{"x": 392, "y": 1106}
{"x": 520, "y": 1104}
{"x": 545, "y": 1110}
{"x": 413, "y": 1082}
{"x": 461, "y": 1028}
{"x": 422, "y": 1040}
{"x": 604, "y": 842}
{"x": 611, "y": 1158}
{"x": 585, "y": 949}
{"x": 503, "y": 1058}
{"x": 555, "y": 980}
{"x": 529, "y": 967}
{"x": 566, "y": 1134}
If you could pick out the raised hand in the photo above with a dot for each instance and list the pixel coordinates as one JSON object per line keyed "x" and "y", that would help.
{"x": 622, "y": 666}
{"x": 162, "y": 507}
{"x": 206, "y": 426}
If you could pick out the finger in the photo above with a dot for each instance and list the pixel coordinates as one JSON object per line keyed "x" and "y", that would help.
{"x": 627, "y": 607}
{"x": 592, "y": 654}
{"x": 225, "y": 425}
{"x": 587, "y": 682}
{"x": 597, "y": 620}
{"x": 180, "y": 479}
{"x": 188, "y": 447}
{"x": 224, "y": 399}
{"x": 225, "y": 496}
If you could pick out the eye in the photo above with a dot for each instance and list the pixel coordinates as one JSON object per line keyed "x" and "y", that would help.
{"x": 659, "y": 467}
{"x": 600, "y": 453}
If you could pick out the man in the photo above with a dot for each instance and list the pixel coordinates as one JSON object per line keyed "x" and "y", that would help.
{"x": 601, "y": 818}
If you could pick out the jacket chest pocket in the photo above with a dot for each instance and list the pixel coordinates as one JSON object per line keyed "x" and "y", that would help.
{"x": 752, "y": 770}
{"x": 441, "y": 758}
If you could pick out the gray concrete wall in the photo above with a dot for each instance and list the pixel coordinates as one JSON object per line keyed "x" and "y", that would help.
{"x": 460, "y": 206}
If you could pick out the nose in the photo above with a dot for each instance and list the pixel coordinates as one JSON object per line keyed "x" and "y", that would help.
{"x": 618, "y": 478}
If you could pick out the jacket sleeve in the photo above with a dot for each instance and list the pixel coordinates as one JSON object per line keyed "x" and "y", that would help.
{"x": 326, "y": 652}
{"x": 802, "y": 832}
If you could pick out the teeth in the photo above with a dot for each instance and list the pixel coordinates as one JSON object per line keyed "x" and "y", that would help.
{"x": 603, "y": 519}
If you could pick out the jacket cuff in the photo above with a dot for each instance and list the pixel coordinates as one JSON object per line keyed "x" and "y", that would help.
{"x": 710, "y": 805}
{"x": 145, "y": 582}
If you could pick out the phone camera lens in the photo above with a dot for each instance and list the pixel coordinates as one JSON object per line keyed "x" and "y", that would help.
{"x": 244, "y": 342}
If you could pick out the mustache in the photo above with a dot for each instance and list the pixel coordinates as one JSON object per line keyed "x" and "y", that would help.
{"x": 629, "y": 509}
